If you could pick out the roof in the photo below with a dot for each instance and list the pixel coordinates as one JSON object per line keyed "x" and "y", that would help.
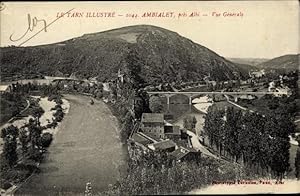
{"x": 136, "y": 137}
{"x": 181, "y": 152}
{"x": 152, "y": 136}
{"x": 153, "y": 117}
{"x": 164, "y": 145}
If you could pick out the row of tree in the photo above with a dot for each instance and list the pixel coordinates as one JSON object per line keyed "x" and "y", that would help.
{"x": 155, "y": 174}
{"x": 260, "y": 142}
{"x": 32, "y": 142}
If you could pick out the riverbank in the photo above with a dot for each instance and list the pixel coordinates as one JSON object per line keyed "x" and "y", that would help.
{"x": 48, "y": 116}
{"x": 21, "y": 169}
{"x": 87, "y": 148}
{"x": 202, "y": 103}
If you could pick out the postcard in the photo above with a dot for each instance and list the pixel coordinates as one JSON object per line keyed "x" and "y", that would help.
{"x": 149, "y": 97}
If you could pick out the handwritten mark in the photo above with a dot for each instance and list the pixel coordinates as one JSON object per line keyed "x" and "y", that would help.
{"x": 32, "y": 23}
{"x": 2, "y": 6}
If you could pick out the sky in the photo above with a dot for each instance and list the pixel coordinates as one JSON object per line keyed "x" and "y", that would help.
{"x": 266, "y": 29}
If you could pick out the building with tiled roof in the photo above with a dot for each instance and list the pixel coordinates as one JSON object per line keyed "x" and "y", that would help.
{"x": 153, "y": 123}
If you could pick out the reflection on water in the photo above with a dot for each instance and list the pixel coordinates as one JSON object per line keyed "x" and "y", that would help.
{"x": 180, "y": 111}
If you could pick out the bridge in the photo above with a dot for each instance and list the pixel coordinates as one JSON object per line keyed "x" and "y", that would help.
{"x": 191, "y": 95}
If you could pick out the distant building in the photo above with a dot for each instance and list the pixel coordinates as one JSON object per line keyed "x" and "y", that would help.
{"x": 153, "y": 123}
{"x": 248, "y": 97}
{"x": 257, "y": 74}
{"x": 5, "y": 88}
{"x": 106, "y": 86}
{"x": 283, "y": 91}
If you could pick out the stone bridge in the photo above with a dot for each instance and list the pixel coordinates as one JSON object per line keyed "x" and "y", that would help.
{"x": 191, "y": 95}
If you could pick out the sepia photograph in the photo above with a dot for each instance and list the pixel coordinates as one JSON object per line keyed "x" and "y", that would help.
{"x": 149, "y": 98}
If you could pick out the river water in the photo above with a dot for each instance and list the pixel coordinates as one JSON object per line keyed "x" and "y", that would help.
{"x": 181, "y": 111}
{"x": 87, "y": 148}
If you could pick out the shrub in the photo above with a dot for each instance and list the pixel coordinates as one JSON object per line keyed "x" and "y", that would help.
{"x": 46, "y": 139}
{"x": 6, "y": 185}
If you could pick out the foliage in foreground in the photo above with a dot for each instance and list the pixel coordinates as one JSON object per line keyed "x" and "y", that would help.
{"x": 153, "y": 175}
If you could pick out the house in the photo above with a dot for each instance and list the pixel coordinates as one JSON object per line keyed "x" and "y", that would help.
{"x": 153, "y": 123}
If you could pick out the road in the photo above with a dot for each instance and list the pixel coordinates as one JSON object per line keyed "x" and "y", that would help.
{"x": 87, "y": 148}
{"x": 198, "y": 146}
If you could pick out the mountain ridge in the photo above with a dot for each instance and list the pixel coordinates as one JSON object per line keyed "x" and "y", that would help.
{"x": 165, "y": 56}
{"x": 286, "y": 62}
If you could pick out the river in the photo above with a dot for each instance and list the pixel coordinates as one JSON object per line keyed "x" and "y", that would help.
{"x": 180, "y": 111}
{"x": 87, "y": 148}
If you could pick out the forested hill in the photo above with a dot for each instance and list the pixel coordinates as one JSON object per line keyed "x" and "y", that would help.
{"x": 287, "y": 62}
{"x": 164, "y": 56}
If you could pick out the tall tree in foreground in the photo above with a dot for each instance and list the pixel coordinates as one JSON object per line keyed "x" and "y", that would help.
{"x": 24, "y": 140}
{"x": 297, "y": 159}
{"x": 9, "y": 136}
{"x": 213, "y": 126}
{"x": 232, "y": 129}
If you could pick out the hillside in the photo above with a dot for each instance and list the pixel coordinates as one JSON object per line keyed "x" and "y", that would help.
{"x": 245, "y": 68}
{"x": 286, "y": 62}
{"x": 248, "y": 61}
{"x": 165, "y": 56}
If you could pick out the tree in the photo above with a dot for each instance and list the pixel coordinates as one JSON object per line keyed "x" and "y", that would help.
{"x": 232, "y": 130}
{"x": 37, "y": 113}
{"x": 10, "y": 130}
{"x": 134, "y": 67}
{"x": 9, "y": 136}
{"x": 278, "y": 128}
{"x": 190, "y": 123}
{"x": 213, "y": 126}
{"x": 34, "y": 134}
{"x": 46, "y": 140}
{"x": 24, "y": 140}
{"x": 155, "y": 104}
{"x": 297, "y": 164}
{"x": 10, "y": 150}
{"x": 127, "y": 126}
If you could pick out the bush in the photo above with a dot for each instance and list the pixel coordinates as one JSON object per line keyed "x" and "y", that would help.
{"x": 46, "y": 139}
{"x": 59, "y": 115}
{"x": 6, "y": 185}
